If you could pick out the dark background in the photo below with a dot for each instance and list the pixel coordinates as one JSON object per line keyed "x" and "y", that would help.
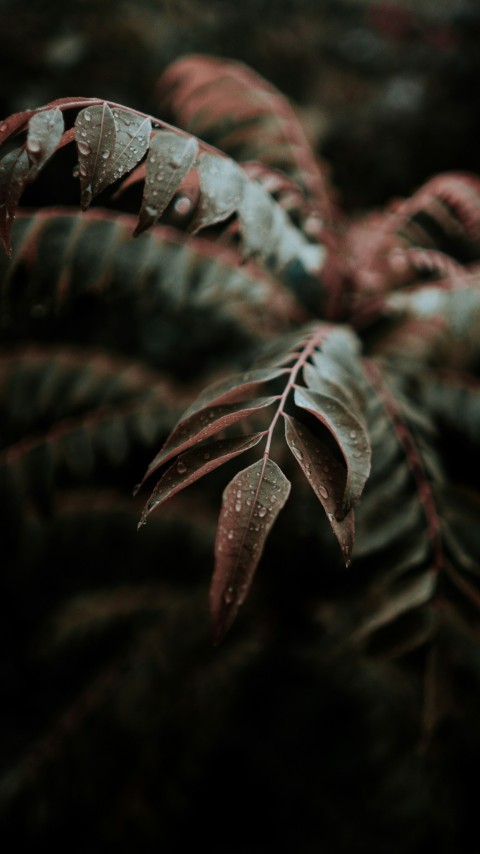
{"x": 123, "y": 730}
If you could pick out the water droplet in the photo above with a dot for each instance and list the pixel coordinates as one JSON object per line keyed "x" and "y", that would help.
{"x": 262, "y": 511}
{"x": 331, "y": 517}
{"x": 175, "y": 160}
{"x": 238, "y": 506}
{"x": 323, "y": 492}
{"x": 84, "y": 148}
{"x": 273, "y": 498}
{"x": 75, "y": 171}
{"x": 106, "y": 154}
{"x": 353, "y": 434}
{"x": 229, "y": 595}
{"x": 3, "y": 127}
{"x": 87, "y": 116}
{"x": 33, "y": 145}
{"x": 230, "y": 535}
{"x": 151, "y": 211}
{"x": 298, "y": 453}
{"x": 182, "y": 206}
{"x": 181, "y": 467}
{"x": 82, "y": 169}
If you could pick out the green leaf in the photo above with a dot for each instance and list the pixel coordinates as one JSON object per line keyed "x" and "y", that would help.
{"x": 96, "y": 136}
{"x": 169, "y": 159}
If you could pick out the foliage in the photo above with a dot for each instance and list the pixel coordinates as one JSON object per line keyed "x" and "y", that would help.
{"x": 340, "y": 355}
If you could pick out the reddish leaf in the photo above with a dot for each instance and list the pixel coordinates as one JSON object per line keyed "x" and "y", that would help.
{"x": 194, "y": 464}
{"x": 202, "y": 424}
{"x": 251, "y": 504}
{"x": 350, "y": 435}
{"x": 326, "y": 477}
{"x": 45, "y": 131}
{"x": 234, "y": 387}
{"x": 14, "y": 124}
{"x": 170, "y": 157}
{"x": 213, "y": 97}
{"x": 96, "y": 137}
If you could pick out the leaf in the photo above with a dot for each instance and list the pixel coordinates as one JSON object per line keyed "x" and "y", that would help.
{"x": 326, "y": 477}
{"x": 202, "y": 424}
{"x": 350, "y": 435}
{"x": 20, "y": 166}
{"x": 222, "y": 185}
{"x": 251, "y": 504}
{"x": 170, "y": 157}
{"x": 233, "y": 388}
{"x": 194, "y": 464}
{"x": 213, "y": 97}
{"x": 14, "y": 172}
{"x": 211, "y": 309}
{"x": 96, "y": 136}
{"x": 45, "y": 131}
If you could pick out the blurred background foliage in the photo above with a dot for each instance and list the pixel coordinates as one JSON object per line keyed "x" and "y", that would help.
{"x": 122, "y": 728}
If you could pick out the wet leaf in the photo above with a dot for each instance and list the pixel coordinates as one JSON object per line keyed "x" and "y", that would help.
{"x": 96, "y": 138}
{"x": 194, "y": 464}
{"x": 251, "y": 504}
{"x": 170, "y": 157}
{"x": 256, "y": 219}
{"x": 131, "y": 142}
{"x": 202, "y": 424}
{"x": 14, "y": 172}
{"x": 327, "y": 478}
{"x": 45, "y": 131}
{"x": 350, "y": 435}
{"x": 222, "y": 184}
{"x": 234, "y": 387}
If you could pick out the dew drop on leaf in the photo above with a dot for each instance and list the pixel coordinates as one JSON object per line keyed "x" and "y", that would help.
{"x": 34, "y": 146}
{"x": 84, "y": 148}
{"x": 181, "y": 467}
{"x": 229, "y": 595}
